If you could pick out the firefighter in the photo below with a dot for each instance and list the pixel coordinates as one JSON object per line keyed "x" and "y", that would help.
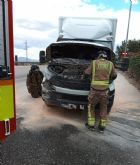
{"x": 34, "y": 80}
{"x": 102, "y": 72}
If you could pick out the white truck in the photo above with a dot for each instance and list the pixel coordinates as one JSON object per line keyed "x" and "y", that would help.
{"x": 78, "y": 42}
{"x": 98, "y": 30}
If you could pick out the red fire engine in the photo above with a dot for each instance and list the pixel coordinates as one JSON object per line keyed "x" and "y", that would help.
{"x": 7, "y": 81}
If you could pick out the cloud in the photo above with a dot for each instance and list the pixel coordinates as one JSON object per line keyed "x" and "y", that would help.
{"x": 135, "y": 2}
{"x": 31, "y": 24}
{"x": 36, "y": 41}
{"x": 37, "y": 21}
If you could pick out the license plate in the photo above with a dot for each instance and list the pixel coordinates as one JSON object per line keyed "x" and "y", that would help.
{"x": 73, "y": 106}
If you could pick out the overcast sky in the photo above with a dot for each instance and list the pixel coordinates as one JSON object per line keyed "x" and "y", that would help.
{"x": 36, "y": 21}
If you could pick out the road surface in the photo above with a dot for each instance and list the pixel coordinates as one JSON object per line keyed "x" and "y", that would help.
{"x": 51, "y": 135}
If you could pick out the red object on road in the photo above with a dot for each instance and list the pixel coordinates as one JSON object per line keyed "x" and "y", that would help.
{"x": 124, "y": 54}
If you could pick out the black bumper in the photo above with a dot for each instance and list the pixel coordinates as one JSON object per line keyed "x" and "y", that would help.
{"x": 69, "y": 101}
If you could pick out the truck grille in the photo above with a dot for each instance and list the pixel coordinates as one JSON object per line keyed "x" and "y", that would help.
{"x": 71, "y": 84}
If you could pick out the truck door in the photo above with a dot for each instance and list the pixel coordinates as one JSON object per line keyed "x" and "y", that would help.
{"x": 7, "y": 82}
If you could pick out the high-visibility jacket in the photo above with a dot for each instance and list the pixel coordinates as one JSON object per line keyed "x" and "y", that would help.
{"x": 101, "y": 71}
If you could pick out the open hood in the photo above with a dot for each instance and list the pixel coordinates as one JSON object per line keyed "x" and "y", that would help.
{"x": 99, "y": 30}
{"x": 76, "y": 50}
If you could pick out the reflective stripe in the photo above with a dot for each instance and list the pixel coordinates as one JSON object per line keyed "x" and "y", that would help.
{"x": 103, "y": 122}
{"x": 6, "y": 82}
{"x": 110, "y": 67}
{"x": 100, "y": 82}
{"x": 91, "y": 119}
{"x": 6, "y": 102}
{"x": 89, "y": 113}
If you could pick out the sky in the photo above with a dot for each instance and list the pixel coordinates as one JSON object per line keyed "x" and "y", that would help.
{"x": 36, "y": 21}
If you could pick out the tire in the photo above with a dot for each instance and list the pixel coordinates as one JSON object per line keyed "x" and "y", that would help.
{"x": 35, "y": 94}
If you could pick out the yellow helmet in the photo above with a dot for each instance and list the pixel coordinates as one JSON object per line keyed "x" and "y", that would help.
{"x": 102, "y": 54}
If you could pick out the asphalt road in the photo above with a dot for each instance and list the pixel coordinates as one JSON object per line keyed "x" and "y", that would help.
{"x": 51, "y": 135}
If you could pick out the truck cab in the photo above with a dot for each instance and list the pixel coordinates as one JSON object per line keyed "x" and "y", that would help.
{"x": 78, "y": 42}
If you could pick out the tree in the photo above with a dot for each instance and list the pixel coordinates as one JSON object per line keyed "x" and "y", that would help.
{"x": 133, "y": 46}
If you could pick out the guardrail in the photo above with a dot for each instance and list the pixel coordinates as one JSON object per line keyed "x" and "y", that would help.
{"x": 27, "y": 63}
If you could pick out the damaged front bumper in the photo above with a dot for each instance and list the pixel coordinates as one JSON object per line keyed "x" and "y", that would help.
{"x": 66, "y": 98}
{"x": 70, "y": 99}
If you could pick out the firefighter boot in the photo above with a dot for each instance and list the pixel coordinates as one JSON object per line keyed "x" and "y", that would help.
{"x": 102, "y": 125}
{"x": 91, "y": 128}
{"x": 91, "y": 123}
{"x": 91, "y": 119}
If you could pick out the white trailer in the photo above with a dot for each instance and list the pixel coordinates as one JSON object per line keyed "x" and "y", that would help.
{"x": 98, "y": 30}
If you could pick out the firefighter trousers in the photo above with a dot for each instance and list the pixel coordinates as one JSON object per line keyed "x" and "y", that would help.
{"x": 97, "y": 97}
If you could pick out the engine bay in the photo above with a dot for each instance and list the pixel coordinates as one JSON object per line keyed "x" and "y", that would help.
{"x": 69, "y": 68}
